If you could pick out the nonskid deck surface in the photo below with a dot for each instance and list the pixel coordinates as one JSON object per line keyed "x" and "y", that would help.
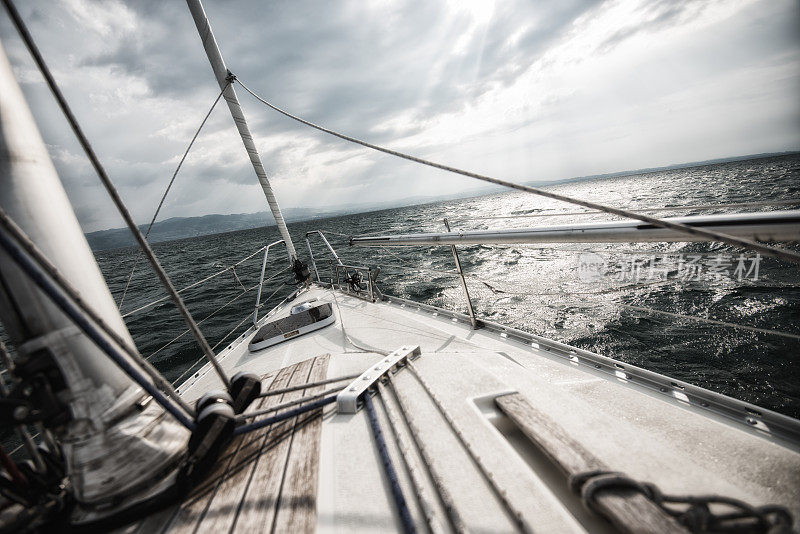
{"x": 461, "y": 460}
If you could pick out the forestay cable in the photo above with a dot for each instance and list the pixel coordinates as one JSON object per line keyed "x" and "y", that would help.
{"x": 766, "y": 250}
{"x": 166, "y": 192}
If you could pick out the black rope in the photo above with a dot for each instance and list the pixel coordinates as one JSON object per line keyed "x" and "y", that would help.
{"x": 388, "y": 467}
{"x": 244, "y": 429}
{"x": 693, "y": 512}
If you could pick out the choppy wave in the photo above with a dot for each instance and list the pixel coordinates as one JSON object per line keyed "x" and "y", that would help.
{"x": 529, "y": 287}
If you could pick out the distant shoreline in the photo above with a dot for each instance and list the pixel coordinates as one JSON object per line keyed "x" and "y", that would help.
{"x": 187, "y": 227}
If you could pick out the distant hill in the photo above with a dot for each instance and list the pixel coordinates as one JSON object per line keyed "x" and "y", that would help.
{"x": 183, "y": 227}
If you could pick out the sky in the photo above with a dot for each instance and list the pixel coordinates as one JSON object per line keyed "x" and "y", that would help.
{"x": 525, "y": 91}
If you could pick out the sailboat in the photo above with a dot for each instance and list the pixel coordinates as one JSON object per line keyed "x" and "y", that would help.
{"x": 348, "y": 409}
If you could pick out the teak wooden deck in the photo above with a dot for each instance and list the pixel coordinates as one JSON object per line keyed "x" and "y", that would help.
{"x": 265, "y": 481}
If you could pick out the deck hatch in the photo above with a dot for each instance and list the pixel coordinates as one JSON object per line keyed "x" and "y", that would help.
{"x": 302, "y": 321}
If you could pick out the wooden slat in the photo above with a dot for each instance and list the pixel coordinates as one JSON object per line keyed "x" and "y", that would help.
{"x": 160, "y": 521}
{"x": 257, "y": 509}
{"x": 193, "y": 510}
{"x": 264, "y": 476}
{"x": 297, "y": 505}
{"x": 628, "y": 510}
{"x": 221, "y": 512}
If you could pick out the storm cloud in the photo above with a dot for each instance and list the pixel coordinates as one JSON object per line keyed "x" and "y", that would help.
{"x": 524, "y": 90}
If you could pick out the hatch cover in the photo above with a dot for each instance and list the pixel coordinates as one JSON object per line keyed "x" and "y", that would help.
{"x": 303, "y": 319}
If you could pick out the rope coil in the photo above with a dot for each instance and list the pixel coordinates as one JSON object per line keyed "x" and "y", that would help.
{"x": 694, "y": 512}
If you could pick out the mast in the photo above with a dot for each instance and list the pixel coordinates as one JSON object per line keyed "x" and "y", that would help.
{"x": 224, "y": 79}
{"x": 84, "y": 398}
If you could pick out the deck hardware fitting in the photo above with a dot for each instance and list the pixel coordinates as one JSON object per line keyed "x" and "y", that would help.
{"x": 347, "y": 400}
{"x": 679, "y": 395}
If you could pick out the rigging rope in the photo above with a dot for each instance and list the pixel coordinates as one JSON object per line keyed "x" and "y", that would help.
{"x": 244, "y": 429}
{"x": 289, "y": 404}
{"x": 519, "y": 519}
{"x": 289, "y": 389}
{"x": 112, "y": 190}
{"x": 412, "y": 467}
{"x": 766, "y": 250}
{"x": 166, "y": 191}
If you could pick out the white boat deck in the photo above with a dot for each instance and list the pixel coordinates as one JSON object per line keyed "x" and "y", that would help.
{"x": 680, "y": 447}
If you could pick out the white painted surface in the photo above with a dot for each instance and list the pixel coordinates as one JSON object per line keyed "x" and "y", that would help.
{"x": 651, "y": 437}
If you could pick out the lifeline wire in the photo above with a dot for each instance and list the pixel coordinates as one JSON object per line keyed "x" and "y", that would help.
{"x": 190, "y": 368}
{"x": 204, "y": 319}
{"x": 112, "y": 191}
{"x": 200, "y": 282}
{"x": 766, "y": 250}
{"x": 166, "y": 191}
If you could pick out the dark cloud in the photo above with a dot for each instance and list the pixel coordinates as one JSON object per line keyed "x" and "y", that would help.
{"x": 496, "y": 87}
{"x": 655, "y": 17}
